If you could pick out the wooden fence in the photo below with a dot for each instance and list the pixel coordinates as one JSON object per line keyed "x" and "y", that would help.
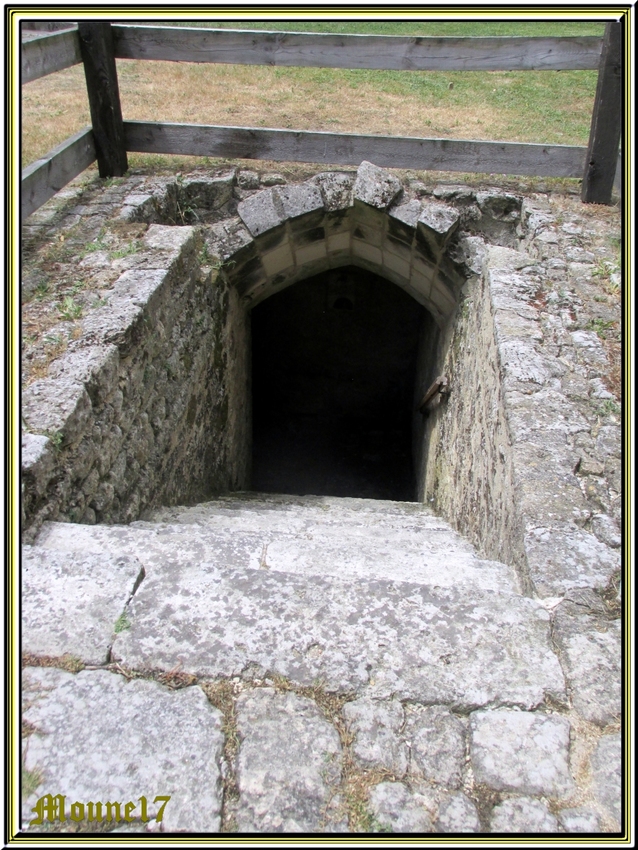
{"x": 98, "y": 44}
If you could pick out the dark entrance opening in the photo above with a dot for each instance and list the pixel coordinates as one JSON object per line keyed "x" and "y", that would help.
{"x": 333, "y": 372}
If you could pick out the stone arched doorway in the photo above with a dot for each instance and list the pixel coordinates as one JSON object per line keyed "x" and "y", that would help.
{"x": 359, "y": 256}
{"x": 333, "y": 373}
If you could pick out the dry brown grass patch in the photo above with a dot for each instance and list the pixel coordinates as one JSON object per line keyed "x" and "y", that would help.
{"x": 63, "y": 662}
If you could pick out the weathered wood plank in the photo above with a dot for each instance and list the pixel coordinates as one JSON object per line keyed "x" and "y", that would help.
{"x": 329, "y": 50}
{"x": 96, "y": 45}
{"x": 45, "y": 54}
{"x": 606, "y": 122}
{"x": 350, "y": 149}
{"x": 45, "y": 26}
{"x": 42, "y": 179}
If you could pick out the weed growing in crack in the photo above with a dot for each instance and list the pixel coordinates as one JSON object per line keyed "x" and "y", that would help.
{"x": 600, "y": 326}
{"x": 608, "y": 408}
{"x": 122, "y": 623}
{"x": 132, "y": 248}
{"x": 31, "y": 780}
{"x": 56, "y": 439}
{"x": 42, "y": 290}
{"x": 70, "y": 309}
{"x": 221, "y": 694}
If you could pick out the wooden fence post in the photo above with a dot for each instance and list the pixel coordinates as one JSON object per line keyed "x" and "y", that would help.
{"x": 604, "y": 136}
{"x": 96, "y": 45}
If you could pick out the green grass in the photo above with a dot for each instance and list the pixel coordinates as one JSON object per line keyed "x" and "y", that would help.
{"x": 406, "y": 27}
{"x": 547, "y": 107}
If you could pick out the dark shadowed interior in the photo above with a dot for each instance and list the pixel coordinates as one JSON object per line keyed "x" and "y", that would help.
{"x": 334, "y": 361}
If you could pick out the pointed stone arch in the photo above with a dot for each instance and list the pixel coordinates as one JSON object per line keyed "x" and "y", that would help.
{"x": 284, "y": 234}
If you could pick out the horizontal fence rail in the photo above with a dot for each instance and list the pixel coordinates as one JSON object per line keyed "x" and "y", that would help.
{"x": 323, "y": 50}
{"x": 43, "y": 178}
{"x": 46, "y": 53}
{"x": 351, "y": 149}
{"x": 377, "y": 52}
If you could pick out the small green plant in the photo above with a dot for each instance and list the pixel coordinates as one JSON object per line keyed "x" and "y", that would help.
{"x": 31, "y": 780}
{"x": 70, "y": 309}
{"x": 41, "y": 291}
{"x": 98, "y": 244}
{"x": 56, "y": 438}
{"x": 122, "y": 623}
{"x": 131, "y": 248}
{"x": 78, "y": 286}
{"x": 608, "y": 272}
{"x": 600, "y": 326}
{"x": 204, "y": 258}
{"x": 609, "y": 407}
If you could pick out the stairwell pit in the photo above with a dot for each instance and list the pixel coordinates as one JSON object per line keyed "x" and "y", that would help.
{"x": 357, "y": 293}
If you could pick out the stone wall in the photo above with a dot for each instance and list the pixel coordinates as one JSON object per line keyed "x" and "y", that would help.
{"x": 152, "y": 402}
{"x": 466, "y": 470}
{"x": 148, "y": 405}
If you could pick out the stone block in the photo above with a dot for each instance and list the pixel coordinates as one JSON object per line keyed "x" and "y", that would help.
{"x": 440, "y": 295}
{"x": 381, "y": 636}
{"x": 177, "y": 240}
{"x": 308, "y": 237}
{"x": 457, "y": 813}
{"x": 396, "y": 264}
{"x": 288, "y": 765}
{"x": 261, "y": 212}
{"x": 523, "y": 814}
{"x": 397, "y": 809}
{"x": 437, "y": 745}
{"x": 521, "y": 751}
{"x": 231, "y": 239}
{"x": 590, "y": 650}
{"x": 579, "y": 819}
{"x": 423, "y": 285}
{"x": 338, "y": 242}
{"x": 397, "y": 248}
{"x": 277, "y": 261}
{"x": 248, "y": 180}
{"x": 375, "y": 187}
{"x": 61, "y": 405}
{"x": 310, "y": 253}
{"x": 300, "y": 200}
{"x": 500, "y": 206}
{"x": 101, "y": 737}
{"x": 368, "y": 252}
{"x": 114, "y": 324}
{"x": 437, "y": 223}
{"x": 336, "y": 189}
{"x": 138, "y": 286}
{"x": 71, "y": 602}
{"x": 209, "y": 193}
{"x": 376, "y": 726}
{"x": 402, "y": 221}
{"x": 564, "y": 558}
{"x": 607, "y": 530}
{"x": 37, "y": 460}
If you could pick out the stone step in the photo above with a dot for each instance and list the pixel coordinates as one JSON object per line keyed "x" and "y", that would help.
{"x": 300, "y": 513}
{"x": 430, "y": 644}
{"x": 437, "y": 557}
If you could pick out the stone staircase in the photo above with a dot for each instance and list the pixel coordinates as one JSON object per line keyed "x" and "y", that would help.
{"x": 365, "y": 670}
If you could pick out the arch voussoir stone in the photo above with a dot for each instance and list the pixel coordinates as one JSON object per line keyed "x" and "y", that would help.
{"x": 284, "y": 234}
